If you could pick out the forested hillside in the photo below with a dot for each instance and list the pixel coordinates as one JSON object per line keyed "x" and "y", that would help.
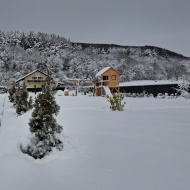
{"x": 21, "y": 53}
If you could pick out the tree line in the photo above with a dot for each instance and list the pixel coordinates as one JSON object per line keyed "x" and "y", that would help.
{"x": 21, "y": 53}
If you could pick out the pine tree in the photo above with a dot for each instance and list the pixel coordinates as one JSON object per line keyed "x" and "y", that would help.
{"x": 23, "y": 105}
{"x": 12, "y": 92}
{"x": 16, "y": 97}
{"x": 43, "y": 124}
{"x": 30, "y": 103}
{"x": 183, "y": 87}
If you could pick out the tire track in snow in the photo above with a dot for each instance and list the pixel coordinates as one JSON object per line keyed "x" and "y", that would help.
{"x": 2, "y": 112}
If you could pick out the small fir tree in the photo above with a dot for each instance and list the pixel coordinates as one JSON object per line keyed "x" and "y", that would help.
{"x": 30, "y": 103}
{"x": 43, "y": 124}
{"x": 183, "y": 87}
{"x": 12, "y": 92}
{"x": 23, "y": 105}
{"x": 16, "y": 97}
{"x": 115, "y": 102}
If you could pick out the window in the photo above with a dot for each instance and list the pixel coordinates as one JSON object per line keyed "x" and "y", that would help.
{"x": 34, "y": 78}
{"x": 105, "y": 77}
{"x": 40, "y": 78}
{"x": 113, "y": 77}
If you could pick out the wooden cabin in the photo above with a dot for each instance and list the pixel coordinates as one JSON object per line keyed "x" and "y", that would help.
{"x": 106, "y": 78}
{"x": 34, "y": 81}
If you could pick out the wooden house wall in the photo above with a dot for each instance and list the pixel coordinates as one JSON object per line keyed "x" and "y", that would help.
{"x": 112, "y": 82}
{"x": 37, "y": 85}
{"x": 32, "y": 84}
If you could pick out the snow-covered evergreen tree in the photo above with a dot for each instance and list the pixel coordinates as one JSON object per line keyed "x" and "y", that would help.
{"x": 43, "y": 124}
{"x": 184, "y": 87}
{"x": 23, "y": 104}
{"x": 16, "y": 97}
{"x": 12, "y": 92}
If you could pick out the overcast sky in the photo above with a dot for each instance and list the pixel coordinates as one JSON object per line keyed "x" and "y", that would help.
{"x": 162, "y": 23}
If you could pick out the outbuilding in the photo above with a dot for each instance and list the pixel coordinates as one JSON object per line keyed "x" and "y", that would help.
{"x": 149, "y": 86}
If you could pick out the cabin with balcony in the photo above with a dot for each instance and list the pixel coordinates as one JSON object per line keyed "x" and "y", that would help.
{"x": 35, "y": 80}
{"x": 106, "y": 81}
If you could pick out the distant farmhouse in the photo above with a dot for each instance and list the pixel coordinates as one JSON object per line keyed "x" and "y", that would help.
{"x": 106, "y": 81}
{"x": 35, "y": 80}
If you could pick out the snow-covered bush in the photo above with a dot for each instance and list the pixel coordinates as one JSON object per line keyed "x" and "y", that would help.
{"x": 151, "y": 95}
{"x": 134, "y": 95}
{"x": 172, "y": 96}
{"x": 145, "y": 95}
{"x": 167, "y": 96}
{"x": 139, "y": 95}
{"x": 160, "y": 96}
{"x": 185, "y": 94}
{"x": 43, "y": 124}
{"x": 115, "y": 101}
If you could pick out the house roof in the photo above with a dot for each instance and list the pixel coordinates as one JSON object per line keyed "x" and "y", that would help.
{"x": 80, "y": 80}
{"x": 60, "y": 83}
{"x": 148, "y": 82}
{"x": 30, "y": 74}
{"x": 103, "y": 71}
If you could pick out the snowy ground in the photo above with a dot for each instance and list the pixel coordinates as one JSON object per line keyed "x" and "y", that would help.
{"x": 145, "y": 147}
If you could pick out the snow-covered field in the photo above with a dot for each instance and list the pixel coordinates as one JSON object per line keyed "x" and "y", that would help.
{"x": 145, "y": 147}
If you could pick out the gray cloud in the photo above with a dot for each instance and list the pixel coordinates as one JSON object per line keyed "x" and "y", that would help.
{"x": 163, "y": 23}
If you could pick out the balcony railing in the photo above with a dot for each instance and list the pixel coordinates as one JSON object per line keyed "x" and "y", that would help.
{"x": 36, "y": 80}
{"x": 102, "y": 83}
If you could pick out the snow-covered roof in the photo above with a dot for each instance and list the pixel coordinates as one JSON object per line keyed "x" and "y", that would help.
{"x": 148, "y": 82}
{"x": 62, "y": 83}
{"x": 80, "y": 80}
{"x": 30, "y": 74}
{"x": 102, "y": 71}
{"x": 2, "y": 87}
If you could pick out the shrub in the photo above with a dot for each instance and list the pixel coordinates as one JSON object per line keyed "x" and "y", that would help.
{"x": 115, "y": 102}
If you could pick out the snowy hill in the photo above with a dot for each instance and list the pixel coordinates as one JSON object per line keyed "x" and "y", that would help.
{"x": 135, "y": 50}
{"x": 21, "y": 53}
